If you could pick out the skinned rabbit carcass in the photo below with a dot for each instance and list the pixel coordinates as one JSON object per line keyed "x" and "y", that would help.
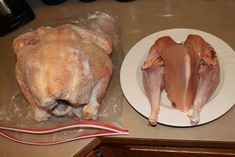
{"x": 189, "y": 73}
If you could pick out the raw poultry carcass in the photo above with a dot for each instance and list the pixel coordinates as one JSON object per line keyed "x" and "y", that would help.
{"x": 63, "y": 68}
{"x": 188, "y": 72}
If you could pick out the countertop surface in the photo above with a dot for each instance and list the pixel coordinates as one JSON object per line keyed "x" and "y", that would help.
{"x": 137, "y": 19}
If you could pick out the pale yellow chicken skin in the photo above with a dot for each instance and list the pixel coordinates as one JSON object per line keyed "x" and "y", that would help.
{"x": 63, "y": 68}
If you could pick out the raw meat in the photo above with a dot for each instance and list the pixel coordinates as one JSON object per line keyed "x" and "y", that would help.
{"x": 188, "y": 72}
{"x": 61, "y": 69}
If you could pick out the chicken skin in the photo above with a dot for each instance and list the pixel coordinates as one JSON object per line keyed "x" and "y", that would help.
{"x": 61, "y": 69}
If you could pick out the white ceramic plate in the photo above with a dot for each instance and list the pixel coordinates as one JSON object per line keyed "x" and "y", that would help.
{"x": 131, "y": 80}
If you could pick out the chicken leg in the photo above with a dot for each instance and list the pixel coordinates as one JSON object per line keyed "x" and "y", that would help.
{"x": 152, "y": 71}
{"x": 209, "y": 76}
{"x": 153, "y": 84}
{"x": 90, "y": 110}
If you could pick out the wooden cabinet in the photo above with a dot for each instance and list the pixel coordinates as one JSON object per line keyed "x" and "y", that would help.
{"x": 127, "y": 147}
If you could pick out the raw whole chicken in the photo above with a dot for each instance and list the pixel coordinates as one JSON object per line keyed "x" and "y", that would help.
{"x": 63, "y": 68}
{"x": 189, "y": 73}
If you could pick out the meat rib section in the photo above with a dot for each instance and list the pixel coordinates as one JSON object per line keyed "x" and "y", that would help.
{"x": 189, "y": 71}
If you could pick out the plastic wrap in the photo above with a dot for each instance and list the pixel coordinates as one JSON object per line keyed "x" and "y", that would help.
{"x": 16, "y": 118}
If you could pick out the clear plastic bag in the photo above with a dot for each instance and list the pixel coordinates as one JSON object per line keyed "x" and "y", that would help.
{"x": 16, "y": 117}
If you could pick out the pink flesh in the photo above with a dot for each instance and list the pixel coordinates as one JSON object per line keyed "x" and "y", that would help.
{"x": 153, "y": 84}
{"x": 153, "y": 76}
{"x": 209, "y": 77}
{"x": 180, "y": 77}
{"x": 160, "y": 45}
{"x": 188, "y": 72}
